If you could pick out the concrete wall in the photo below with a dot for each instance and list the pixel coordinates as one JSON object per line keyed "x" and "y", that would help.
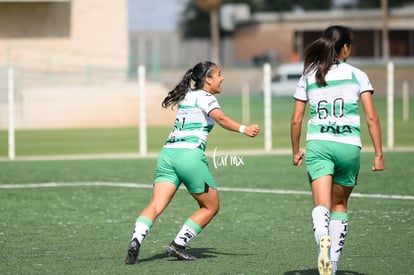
{"x": 86, "y": 106}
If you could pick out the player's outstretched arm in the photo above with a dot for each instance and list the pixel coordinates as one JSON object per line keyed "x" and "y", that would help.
{"x": 231, "y": 125}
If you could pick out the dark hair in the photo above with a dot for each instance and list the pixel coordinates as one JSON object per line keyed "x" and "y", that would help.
{"x": 323, "y": 52}
{"x": 195, "y": 76}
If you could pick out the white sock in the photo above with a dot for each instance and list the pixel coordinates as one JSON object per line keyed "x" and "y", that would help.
{"x": 320, "y": 221}
{"x": 189, "y": 230}
{"x": 334, "y": 264}
{"x": 142, "y": 227}
{"x": 185, "y": 235}
{"x": 338, "y": 228}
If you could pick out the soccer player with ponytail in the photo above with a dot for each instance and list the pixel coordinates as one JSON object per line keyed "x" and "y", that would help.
{"x": 332, "y": 88}
{"x": 182, "y": 159}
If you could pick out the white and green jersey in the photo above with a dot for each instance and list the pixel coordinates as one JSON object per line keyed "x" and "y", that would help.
{"x": 334, "y": 108}
{"x": 192, "y": 123}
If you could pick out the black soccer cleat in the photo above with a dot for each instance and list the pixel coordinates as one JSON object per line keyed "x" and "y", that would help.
{"x": 179, "y": 252}
{"x": 133, "y": 250}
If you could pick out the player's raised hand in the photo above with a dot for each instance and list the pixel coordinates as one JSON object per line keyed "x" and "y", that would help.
{"x": 252, "y": 130}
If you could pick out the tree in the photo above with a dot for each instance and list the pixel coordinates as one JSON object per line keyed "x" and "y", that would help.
{"x": 195, "y": 22}
{"x": 366, "y": 4}
{"x": 289, "y": 5}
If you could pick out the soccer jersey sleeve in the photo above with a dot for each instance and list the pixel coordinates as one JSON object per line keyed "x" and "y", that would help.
{"x": 363, "y": 80}
{"x": 300, "y": 92}
{"x": 207, "y": 102}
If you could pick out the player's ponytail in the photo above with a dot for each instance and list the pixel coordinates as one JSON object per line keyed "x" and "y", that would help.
{"x": 319, "y": 56}
{"x": 323, "y": 52}
{"x": 197, "y": 75}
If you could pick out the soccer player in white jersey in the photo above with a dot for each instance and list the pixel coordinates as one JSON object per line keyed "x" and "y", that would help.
{"x": 182, "y": 158}
{"x": 332, "y": 88}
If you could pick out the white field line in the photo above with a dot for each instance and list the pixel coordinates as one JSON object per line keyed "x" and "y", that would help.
{"x": 209, "y": 153}
{"x": 226, "y": 189}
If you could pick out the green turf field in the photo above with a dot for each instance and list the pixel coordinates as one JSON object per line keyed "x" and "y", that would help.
{"x": 49, "y": 142}
{"x": 79, "y": 219}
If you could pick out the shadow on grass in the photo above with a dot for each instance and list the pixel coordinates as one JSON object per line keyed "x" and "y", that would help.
{"x": 199, "y": 253}
{"x": 315, "y": 272}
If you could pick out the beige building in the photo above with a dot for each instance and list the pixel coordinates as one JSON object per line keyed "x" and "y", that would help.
{"x": 70, "y": 61}
{"x": 64, "y": 35}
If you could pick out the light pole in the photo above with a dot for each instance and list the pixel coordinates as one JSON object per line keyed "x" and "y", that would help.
{"x": 212, "y": 6}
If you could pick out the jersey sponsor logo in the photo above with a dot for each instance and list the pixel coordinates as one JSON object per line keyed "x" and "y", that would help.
{"x": 173, "y": 139}
{"x": 336, "y": 129}
{"x": 212, "y": 102}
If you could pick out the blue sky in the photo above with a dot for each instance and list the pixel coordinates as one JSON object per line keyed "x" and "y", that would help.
{"x": 154, "y": 15}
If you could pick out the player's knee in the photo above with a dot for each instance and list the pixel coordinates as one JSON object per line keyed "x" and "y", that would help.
{"x": 216, "y": 209}
{"x": 213, "y": 209}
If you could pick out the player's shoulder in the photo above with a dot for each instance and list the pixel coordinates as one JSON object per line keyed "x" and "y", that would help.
{"x": 203, "y": 95}
{"x": 199, "y": 93}
{"x": 352, "y": 68}
{"x": 202, "y": 99}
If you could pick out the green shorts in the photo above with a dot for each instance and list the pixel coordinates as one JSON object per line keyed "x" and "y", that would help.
{"x": 340, "y": 160}
{"x": 186, "y": 166}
